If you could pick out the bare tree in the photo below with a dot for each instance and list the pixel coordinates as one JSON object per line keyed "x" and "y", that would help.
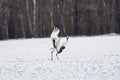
{"x": 34, "y": 18}
{"x": 29, "y": 18}
{"x": 51, "y": 14}
{"x": 4, "y": 19}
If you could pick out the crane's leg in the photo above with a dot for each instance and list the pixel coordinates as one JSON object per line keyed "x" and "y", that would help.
{"x": 57, "y": 56}
{"x": 52, "y": 54}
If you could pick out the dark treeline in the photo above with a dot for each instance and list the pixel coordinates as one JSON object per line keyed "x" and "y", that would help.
{"x": 36, "y": 18}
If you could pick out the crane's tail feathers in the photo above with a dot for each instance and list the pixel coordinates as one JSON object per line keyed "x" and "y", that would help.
{"x": 55, "y": 33}
{"x": 57, "y": 30}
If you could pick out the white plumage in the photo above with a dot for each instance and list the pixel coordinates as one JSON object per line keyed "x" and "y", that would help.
{"x": 54, "y": 34}
{"x": 58, "y": 43}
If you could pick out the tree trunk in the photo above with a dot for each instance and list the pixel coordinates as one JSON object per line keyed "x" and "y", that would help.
{"x": 34, "y": 19}
{"x": 29, "y": 18}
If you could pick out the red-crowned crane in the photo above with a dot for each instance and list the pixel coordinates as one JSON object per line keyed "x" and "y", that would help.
{"x": 59, "y": 44}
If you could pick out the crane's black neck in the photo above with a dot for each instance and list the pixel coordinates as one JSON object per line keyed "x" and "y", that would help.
{"x": 54, "y": 43}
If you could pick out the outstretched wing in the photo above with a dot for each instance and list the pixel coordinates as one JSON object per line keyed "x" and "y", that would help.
{"x": 54, "y": 34}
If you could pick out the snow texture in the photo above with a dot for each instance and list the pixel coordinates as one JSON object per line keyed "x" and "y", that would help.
{"x": 85, "y": 58}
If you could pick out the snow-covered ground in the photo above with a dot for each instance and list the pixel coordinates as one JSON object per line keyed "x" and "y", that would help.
{"x": 85, "y": 58}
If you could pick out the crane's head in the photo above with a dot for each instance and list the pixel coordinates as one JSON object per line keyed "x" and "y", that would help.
{"x": 67, "y": 38}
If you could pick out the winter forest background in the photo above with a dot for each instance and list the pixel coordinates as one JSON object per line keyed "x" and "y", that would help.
{"x": 36, "y": 18}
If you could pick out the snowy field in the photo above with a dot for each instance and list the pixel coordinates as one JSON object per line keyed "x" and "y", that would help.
{"x": 85, "y": 58}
